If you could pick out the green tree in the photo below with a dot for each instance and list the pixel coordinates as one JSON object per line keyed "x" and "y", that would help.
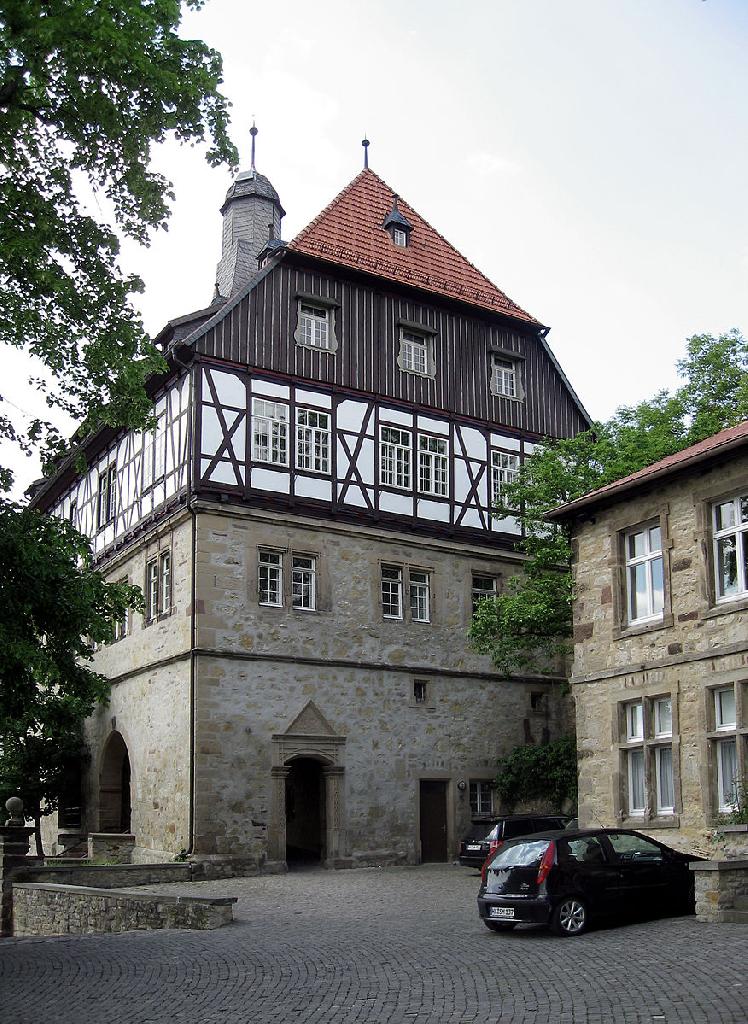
{"x": 54, "y": 607}
{"x": 86, "y": 88}
{"x": 547, "y": 772}
{"x": 529, "y": 625}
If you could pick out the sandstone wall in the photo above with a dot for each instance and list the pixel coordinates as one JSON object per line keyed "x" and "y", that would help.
{"x": 697, "y": 645}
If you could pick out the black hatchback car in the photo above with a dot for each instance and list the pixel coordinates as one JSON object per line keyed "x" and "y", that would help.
{"x": 565, "y": 879}
{"x": 488, "y": 834}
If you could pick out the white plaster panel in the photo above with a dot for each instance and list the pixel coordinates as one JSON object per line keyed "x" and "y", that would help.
{"x": 474, "y": 441}
{"x": 530, "y": 447}
{"x": 511, "y": 444}
{"x": 365, "y": 461}
{"x": 507, "y": 525}
{"x": 270, "y": 388}
{"x": 405, "y": 419}
{"x": 434, "y": 510}
{"x": 472, "y": 518}
{"x": 402, "y": 504}
{"x": 462, "y": 480}
{"x": 342, "y": 460}
{"x": 271, "y": 480}
{"x": 353, "y": 496}
{"x": 231, "y": 390}
{"x": 238, "y": 441}
{"x": 351, "y": 416}
{"x": 433, "y": 426}
{"x": 313, "y": 487}
{"x": 223, "y": 473}
{"x": 477, "y": 468}
{"x": 212, "y": 433}
{"x": 313, "y": 398}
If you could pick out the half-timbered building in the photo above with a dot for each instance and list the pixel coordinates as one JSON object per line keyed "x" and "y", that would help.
{"x": 311, "y": 523}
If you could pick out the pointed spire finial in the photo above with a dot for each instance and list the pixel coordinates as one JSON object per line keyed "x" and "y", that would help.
{"x": 253, "y": 133}
{"x": 365, "y": 144}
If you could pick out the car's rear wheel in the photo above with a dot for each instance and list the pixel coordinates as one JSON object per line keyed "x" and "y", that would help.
{"x": 569, "y": 917}
{"x": 500, "y": 926}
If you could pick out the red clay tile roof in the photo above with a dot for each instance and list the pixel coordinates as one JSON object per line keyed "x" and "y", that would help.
{"x": 710, "y": 448}
{"x": 349, "y": 233}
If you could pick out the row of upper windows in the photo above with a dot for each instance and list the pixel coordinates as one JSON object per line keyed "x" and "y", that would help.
{"x": 158, "y": 594}
{"x": 316, "y": 329}
{"x": 397, "y": 583}
{"x": 643, "y": 555}
{"x": 270, "y": 444}
{"x": 646, "y": 735}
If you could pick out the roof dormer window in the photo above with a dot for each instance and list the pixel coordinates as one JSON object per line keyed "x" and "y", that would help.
{"x": 397, "y": 226}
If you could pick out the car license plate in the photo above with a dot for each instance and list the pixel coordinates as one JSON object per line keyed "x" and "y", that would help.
{"x": 501, "y": 912}
{"x": 473, "y": 848}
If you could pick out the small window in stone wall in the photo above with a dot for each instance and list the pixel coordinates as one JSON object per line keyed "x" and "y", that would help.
{"x": 420, "y": 691}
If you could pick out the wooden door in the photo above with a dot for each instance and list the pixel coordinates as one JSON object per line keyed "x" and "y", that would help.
{"x": 433, "y": 807}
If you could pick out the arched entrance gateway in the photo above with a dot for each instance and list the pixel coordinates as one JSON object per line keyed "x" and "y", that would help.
{"x": 307, "y": 813}
{"x": 114, "y": 786}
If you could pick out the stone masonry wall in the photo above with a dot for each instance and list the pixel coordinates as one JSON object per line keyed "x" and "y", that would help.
{"x": 41, "y": 909}
{"x": 150, "y": 703}
{"x": 358, "y": 669}
{"x": 697, "y": 645}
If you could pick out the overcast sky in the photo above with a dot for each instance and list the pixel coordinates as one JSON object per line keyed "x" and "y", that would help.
{"x": 589, "y": 156}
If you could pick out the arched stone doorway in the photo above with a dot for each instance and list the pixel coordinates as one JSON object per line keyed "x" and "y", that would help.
{"x": 307, "y": 819}
{"x": 305, "y": 812}
{"x": 114, "y": 786}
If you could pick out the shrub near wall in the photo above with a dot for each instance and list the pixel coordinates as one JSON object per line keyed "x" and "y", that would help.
{"x": 547, "y": 774}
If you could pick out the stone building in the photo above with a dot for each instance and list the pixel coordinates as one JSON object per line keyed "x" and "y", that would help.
{"x": 660, "y": 678}
{"x": 311, "y": 524}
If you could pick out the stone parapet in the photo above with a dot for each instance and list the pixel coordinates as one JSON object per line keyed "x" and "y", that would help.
{"x": 44, "y": 909}
{"x": 721, "y": 887}
{"x": 107, "y": 876}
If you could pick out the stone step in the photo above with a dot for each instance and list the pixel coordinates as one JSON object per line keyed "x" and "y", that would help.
{"x": 734, "y": 916}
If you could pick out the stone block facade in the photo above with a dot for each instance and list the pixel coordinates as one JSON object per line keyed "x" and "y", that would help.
{"x": 688, "y": 664}
{"x": 721, "y": 887}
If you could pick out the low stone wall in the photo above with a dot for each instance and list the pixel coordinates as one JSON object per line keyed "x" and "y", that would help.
{"x": 43, "y": 909}
{"x": 721, "y": 889}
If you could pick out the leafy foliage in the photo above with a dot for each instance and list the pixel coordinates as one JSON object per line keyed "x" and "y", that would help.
{"x": 53, "y": 608}
{"x": 86, "y": 88}
{"x": 529, "y": 625}
{"x": 547, "y": 772}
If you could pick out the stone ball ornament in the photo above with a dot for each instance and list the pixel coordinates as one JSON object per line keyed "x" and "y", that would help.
{"x": 14, "y": 807}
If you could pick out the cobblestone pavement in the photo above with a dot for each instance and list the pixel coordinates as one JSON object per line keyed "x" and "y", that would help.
{"x": 387, "y": 946}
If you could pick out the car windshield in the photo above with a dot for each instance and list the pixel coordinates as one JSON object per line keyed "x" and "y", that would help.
{"x": 479, "y": 831}
{"x": 520, "y": 855}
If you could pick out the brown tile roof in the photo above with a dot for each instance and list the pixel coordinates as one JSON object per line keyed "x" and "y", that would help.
{"x": 710, "y": 448}
{"x": 349, "y": 233}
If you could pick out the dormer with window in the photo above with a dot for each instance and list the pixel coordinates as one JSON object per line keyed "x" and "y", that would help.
{"x": 506, "y": 375}
{"x": 398, "y": 226}
{"x": 315, "y": 327}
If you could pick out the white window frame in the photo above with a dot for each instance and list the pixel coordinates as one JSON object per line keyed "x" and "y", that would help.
{"x": 391, "y": 588}
{"x": 648, "y": 559}
{"x": 647, "y": 731}
{"x": 313, "y": 440}
{"x": 721, "y": 724}
{"x": 395, "y": 449}
{"x": 433, "y": 465}
{"x": 315, "y": 326}
{"x": 106, "y": 499}
{"x": 635, "y": 721}
{"x": 269, "y": 578}
{"x": 480, "y": 793}
{"x": 400, "y": 237}
{"x": 727, "y": 788}
{"x": 664, "y": 807}
{"x": 663, "y": 726}
{"x": 304, "y": 582}
{"x": 504, "y": 377}
{"x": 419, "y": 585}
{"x": 164, "y": 583}
{"x": 479, "y": 593}
{"x": 633, "y": 809}
{"x": 269, "y": 431}
{"x": 122, "y": 626}
{"x": 151, "y": 589}
{"x": 738, "y": 530}
{"x": 415, "y": 353}
{"x": 504, "y": 470}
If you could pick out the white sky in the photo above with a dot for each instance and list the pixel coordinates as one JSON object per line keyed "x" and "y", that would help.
{"x": 589, "y": 156}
